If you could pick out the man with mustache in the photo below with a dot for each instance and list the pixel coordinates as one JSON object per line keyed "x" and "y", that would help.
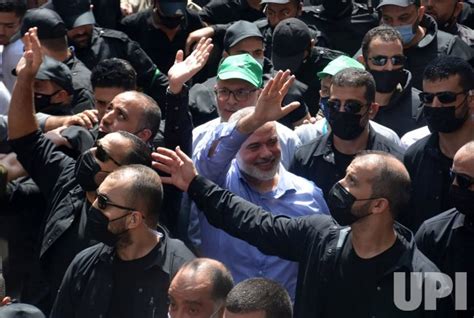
{"x": 245, "y": 159}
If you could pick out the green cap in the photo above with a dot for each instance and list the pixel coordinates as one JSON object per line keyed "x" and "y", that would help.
{"x": 242, "y": 66}
{"x": 338, "y": 64}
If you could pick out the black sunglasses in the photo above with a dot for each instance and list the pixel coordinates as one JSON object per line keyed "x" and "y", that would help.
{"x": 381, "y": 60}
{"x": 464, "y": 181}
{"x": 103, "y": 202}
{"x": 102, "y": 155}
{"x": 350, "y": 106}
{"x": 443, "y": 97}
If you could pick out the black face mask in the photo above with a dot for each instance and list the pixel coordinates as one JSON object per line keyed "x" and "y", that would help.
{"x": 97, "y": 227}
{"x": 463, "y": 200}
{"x": 443, "y": 119}
{"x": 387, "y": 81}
{"x": 170, "y": 22}
{"x": 340, "y": 202}
{"x": 43, "y": 102}
{"x": 85, "y": 171}
{"x": 345, "y": 125}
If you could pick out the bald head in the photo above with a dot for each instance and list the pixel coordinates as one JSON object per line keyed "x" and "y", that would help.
{"x": 463, "y": 162}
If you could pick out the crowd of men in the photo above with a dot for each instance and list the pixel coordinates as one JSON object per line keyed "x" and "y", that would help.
{"x": 236, "y": 158}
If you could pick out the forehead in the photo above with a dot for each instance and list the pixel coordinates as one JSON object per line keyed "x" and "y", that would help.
{"x": 248, "y": 44}
{"x": 346, "y": 92}
{"x": 43, "y": 84}
{"x": 280, "y": 6}
{"x": 363, "y": 169}
{"x": 389, "y": 48}
{"x": 9, "y": 17}
{"x": 262, "y": 134}
{"x": 113, "y": 188}
{"x": 114, "y": 144}
{"x": 190, "y": 285}
{"x": 234, "y": 84}
{"x": 452, "y": 84}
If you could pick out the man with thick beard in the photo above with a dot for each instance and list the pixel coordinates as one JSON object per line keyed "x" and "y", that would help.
{"x": 245, "y": 159}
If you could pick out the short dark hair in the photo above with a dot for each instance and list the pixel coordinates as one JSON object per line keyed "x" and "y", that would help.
{"x": 384, "y": 32}
{"x": 446, "y": 66}
{"x": 354, "y": 77}
{"x": 114, "y": 72}
{"x": 17, "y": 6}
{"x": 56, "y": 45}
{"x": 151, "y": 116}
{"x": 138, "y": 153}
{"x": 256, "y": 294}
{"x": 390, "y": 183}
{"x": 145, "y": 187}
{"x": 220, "y": 276}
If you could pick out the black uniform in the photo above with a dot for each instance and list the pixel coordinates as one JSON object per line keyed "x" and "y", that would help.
{"x": 316, "y": 243}
{"x": 107, "y": 43}
{"x": 155, "y": 43}
{"x": 320, "y": 162}
{"x": 429, "y": 172}
{"x": 404, "y": 110}
{"x": 463, "y": 32}
{"x": 81, "y": 82}
{"x": 448, "y": 241}
{"x": 99, "y": 284}
{"x": 226, "y": 11}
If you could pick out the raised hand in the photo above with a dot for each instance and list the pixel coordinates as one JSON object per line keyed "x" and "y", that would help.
{"x": 32, "y": 57}
{"x": 268, "y": 106}
{"x": 177, "y": 164}
{"x": 183, "y": 71}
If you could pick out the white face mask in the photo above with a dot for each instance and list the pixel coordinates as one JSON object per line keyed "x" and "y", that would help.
{"x": 260, "y": 61}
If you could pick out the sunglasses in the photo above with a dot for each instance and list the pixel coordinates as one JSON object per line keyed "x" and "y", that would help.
{"x": 103, "y": 202}
{"x": 381, "y": 60}
{"x": 102, "y": 155}
{"x": 443, "y": 97}
{"x": 464, "y": 181}
{"x": 351, "y": 106}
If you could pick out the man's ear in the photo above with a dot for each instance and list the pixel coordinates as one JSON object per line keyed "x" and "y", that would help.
{"x": 457, "y": 9}
{"x": 380, "y": 205}
{"x": 373, "y": 109}
{"x": 421, "y": 12}
{"x": 361, "y": 60}
{"x": 60, "y": 97}
{"x": 144, "y": 134}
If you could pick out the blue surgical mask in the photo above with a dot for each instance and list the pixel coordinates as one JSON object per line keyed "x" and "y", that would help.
{"x": 406, "y": 32}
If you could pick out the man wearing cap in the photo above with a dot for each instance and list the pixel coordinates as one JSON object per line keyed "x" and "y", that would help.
{"x": 422, "y": 41}
{"x": 244, "y": 37}
{"x": 320, "y": 127}
{"x": 93, "y": 44}
{"x": 350, "y": 106}
{"x": 446, "y": 14}
{"x": 162, "y": 30}
{"x": 302, "y": 58}
{"x": 52, "y": 35}
{"x": 245, "y": 159}
{"x": 399, "y": 106}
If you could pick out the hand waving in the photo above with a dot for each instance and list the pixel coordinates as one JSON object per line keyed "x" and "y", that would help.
{"x": 183, "y": 71}
{"x": 32, "y": 57}
{"x": 176, "y": 164}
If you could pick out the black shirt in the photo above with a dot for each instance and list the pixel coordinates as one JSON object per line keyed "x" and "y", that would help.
{"x": 155, "y": 43}
{"x": 81, "y": 82}
{"x": 226, "y": 11}
{"x": 448, "y": 241}
{"x": 429, "y": 172}
{"x": 352, "y": 270}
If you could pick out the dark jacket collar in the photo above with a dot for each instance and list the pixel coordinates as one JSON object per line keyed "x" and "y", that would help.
{"x": 431, "y": 27}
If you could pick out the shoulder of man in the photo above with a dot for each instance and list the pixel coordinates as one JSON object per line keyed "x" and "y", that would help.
{"x": 328, "y": 54}
{"x": 179, "y": 254}
{"x": 384, "y": 144}
{"x": 113, "y": 35}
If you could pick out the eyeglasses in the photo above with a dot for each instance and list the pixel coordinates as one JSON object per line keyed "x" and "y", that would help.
{"x": 381, "y": 60}
{"x": 350, "y": 106}
{"x": 443, "y": 97}
{"x": 464, "y": 181}
{"x": 102, "y": 155}
{"x": 240, "y": 95}
{"x": 103, "y": 202}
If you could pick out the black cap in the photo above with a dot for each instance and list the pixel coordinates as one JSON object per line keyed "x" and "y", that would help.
{"x": 20, "y": 311}
{"x": 75, "y": 13}
{"x": 172, "y": 7}
{"x": 53, "y": 70}
{"x": 290, "y": 40}
{"x": 398, "y": 3}
{"x": 238, "y": 31}
{"x": 49, "y": 23}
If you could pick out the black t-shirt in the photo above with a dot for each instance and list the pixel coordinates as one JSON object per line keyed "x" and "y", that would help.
{"x": 128, "y": 276}
{"x": 342, "y": 161}
{"x": 351, "y": 291}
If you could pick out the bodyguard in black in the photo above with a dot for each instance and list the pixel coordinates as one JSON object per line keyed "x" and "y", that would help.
{"x": 226, "y": 11}
{"x": 129, "y": 273}
{"x": 351, "y": 105}
{"x": 447, "y": 98}
{"x": 382, "y": 55}
{"x": 373, "y": 191}
{"x": 448, "y": 238}
{"x": 162, "y": 30}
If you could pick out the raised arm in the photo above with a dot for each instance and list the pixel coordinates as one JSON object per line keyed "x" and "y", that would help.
{"x": 21, "y": 115}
